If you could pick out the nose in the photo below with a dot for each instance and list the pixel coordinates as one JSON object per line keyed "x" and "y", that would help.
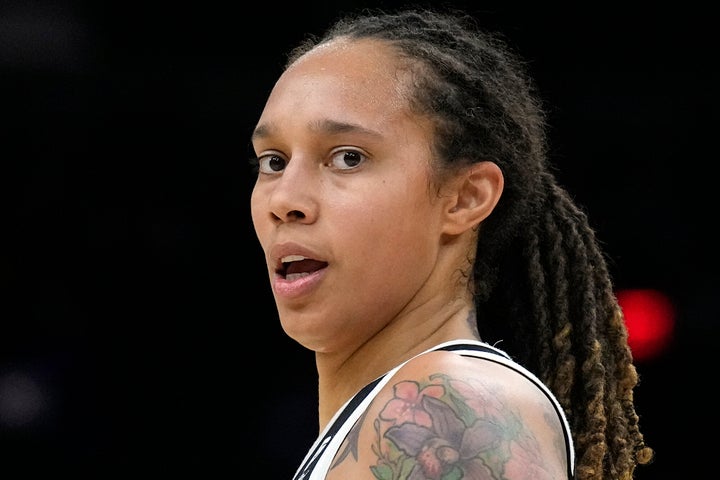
{"x": 293, "y": 196}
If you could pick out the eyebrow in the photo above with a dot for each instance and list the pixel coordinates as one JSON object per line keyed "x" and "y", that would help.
{"x": 326, "y": 126}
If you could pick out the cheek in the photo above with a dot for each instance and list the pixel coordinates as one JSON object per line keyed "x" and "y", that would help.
{"x": 393, "y": 231}
{"x": 258, "y": 215}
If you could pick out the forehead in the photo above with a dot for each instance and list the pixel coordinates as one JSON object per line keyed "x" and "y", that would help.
{"x": 362, "y": 73}
{"x": 358, "y": 86}
{"x": 365, "y": 51}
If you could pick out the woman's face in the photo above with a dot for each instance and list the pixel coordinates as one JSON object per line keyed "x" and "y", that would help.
{"x": 342, "y": 205}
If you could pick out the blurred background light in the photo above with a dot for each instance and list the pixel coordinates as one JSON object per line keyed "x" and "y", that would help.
{"x": 650, "y": 320}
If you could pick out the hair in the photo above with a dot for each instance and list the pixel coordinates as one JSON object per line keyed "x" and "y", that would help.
{"x": 540, "y": 279}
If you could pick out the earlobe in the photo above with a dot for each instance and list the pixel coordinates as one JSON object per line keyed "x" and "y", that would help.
{"x": 476, "y": 193}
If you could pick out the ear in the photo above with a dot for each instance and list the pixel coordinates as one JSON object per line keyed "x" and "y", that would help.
{"x": 473, "y": 197}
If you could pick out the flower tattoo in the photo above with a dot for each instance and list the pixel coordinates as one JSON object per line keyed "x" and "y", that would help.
{"x": 450, "y": 430}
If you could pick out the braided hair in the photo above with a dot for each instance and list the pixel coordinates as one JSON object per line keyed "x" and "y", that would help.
{"x": 539, "y": 278}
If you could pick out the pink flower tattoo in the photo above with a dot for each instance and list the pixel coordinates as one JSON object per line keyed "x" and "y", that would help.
{"x": 406, "y": 406}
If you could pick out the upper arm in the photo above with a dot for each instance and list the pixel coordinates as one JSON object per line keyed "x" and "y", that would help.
{"x": 446, "y": 416}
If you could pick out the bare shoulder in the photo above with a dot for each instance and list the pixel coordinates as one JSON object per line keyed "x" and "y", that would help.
{"x": 444, "y": 416}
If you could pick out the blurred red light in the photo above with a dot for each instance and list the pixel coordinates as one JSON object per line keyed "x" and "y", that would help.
{"x": 650, "y": 320}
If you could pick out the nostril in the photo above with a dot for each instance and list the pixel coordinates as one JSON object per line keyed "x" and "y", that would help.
{"x": 295, "y": 214}
{"x": 290, "y": 216}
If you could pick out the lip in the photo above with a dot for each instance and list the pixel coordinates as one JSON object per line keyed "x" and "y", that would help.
{"x": 298, "y": 287}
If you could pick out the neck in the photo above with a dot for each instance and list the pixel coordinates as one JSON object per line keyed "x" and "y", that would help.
{"x": 341, "y": 374}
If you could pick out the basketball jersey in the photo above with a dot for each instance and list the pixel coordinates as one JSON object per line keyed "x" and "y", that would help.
{"x": 317, "y": 462}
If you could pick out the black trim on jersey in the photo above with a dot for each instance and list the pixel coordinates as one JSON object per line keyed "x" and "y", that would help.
{"x": 307, "y": 469}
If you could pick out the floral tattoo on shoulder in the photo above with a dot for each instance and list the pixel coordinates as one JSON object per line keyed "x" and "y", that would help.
{"x": 449, "y": 429}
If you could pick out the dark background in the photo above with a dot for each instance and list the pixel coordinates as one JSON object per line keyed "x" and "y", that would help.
{"x": 138, "y": 333}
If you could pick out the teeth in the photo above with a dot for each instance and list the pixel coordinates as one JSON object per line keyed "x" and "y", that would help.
{"x": 295, "y": 276}
{"x": 292, "y": 258}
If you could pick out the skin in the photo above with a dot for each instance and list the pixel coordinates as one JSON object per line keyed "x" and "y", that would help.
{"x": 345, "y": 180}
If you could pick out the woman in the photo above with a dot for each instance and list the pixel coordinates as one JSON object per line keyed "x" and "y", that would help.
{"x": 412, "y": 225}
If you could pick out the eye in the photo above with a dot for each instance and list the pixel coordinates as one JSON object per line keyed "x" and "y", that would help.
{"x": 271, "y": 163}
{"x": 347, "y": 159}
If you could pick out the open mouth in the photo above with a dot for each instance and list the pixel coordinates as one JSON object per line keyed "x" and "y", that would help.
{"x": 297, "y": 266}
